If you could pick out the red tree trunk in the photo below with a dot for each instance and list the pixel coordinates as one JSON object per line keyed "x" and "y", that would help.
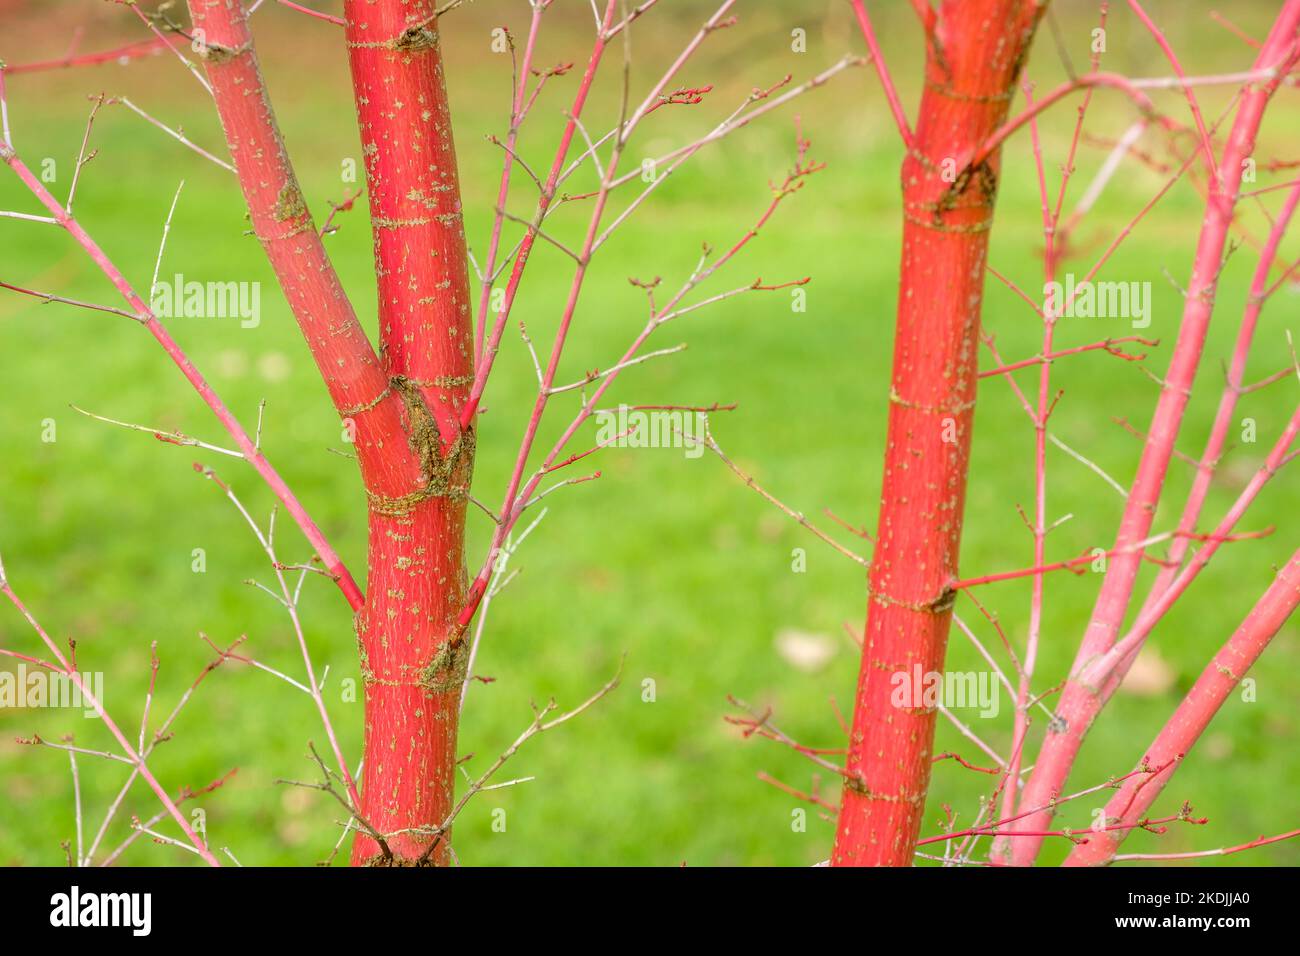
{"x": 973, "y": 59}
{"x": 413, "y": 661}
{"x": 403, "y": 404}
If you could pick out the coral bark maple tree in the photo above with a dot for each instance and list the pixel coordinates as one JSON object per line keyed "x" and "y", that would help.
{"x": 409, "y": 405}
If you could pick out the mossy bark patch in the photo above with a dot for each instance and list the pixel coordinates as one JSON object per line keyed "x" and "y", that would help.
{"x": 289, "y": 204}
{"x": 446, "y": 672}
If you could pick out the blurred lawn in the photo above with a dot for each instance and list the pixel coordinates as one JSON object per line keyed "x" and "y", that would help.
{"x": 667, "y": 559}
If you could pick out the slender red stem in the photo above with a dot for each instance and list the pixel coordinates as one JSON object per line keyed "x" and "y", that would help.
{"x": 1080, "y": 703}
{"x": 1223, "y": 419}
{"x": 132, "y": 756}
{"x": 328, "y": 18}
{"x": 142, "y": 312}
{"x": 489, "y": 351}
{"x": 886, "y": 81}
{"x": 130, "y": 51}
{"x": 1194, "y": 713}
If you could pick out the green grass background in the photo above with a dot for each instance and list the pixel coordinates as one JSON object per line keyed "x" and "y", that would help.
{"x": 670, "y": 561}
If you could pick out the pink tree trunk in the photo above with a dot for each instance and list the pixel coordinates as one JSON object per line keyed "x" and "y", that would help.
{"x": 1081, "y": 701}
{"x": 1219, "y": 679}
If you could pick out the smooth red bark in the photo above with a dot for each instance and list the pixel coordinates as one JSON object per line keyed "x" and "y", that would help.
{"x": 283, "y": 224}
{"x": 413, "y": 658}
{"x": 404, "y": 403}
{"x": 971, "y": 70}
